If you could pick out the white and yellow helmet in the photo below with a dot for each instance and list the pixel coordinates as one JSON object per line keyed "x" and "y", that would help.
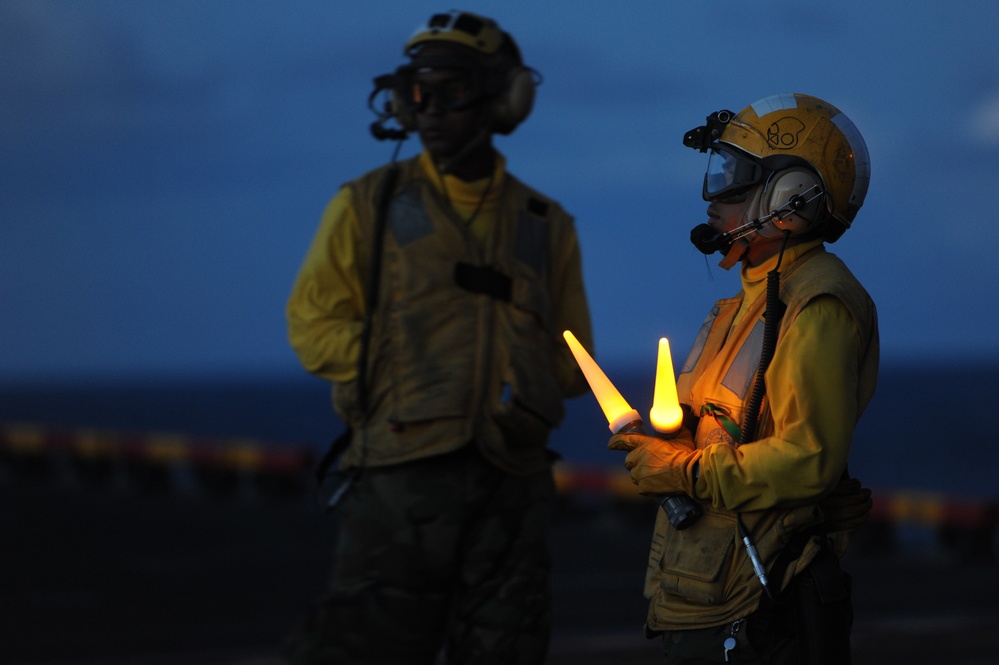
{"x": 785, "y": 133}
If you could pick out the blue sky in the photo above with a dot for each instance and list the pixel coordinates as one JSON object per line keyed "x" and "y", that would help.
{"x": 163, "y": 165}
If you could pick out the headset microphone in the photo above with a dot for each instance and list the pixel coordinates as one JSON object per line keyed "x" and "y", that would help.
{"x": 708, "y": 240}
{"x": 383, "y": 133}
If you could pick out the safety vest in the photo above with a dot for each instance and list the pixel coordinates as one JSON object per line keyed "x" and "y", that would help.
{"x": 702, "y": 576}
{"x": 463, "y": 341}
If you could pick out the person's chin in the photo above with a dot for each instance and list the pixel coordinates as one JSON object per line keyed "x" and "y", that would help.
{"x": 437, "y": 146}
{"x": 439, "y": 151}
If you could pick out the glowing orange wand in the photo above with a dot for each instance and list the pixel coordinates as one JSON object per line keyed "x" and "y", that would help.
{"x": 617, "y": 410}
{"x": 666, "y": 417}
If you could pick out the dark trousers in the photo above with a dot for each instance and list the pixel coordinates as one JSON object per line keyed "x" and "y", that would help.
{"x": 444, "y": 553}
{"x": 809, "y": 624}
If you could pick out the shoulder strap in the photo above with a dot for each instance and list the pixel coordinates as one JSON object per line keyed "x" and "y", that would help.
{"x": 771, "y": 324}
{"x": 370, "y": 302}
{"x": 371, "y": 288}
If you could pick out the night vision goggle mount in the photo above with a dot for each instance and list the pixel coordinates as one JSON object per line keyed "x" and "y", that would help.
{"x": 703, "y": 137}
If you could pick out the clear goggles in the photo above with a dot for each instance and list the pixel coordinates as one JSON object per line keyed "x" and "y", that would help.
{"x": 730, "y": 175}
{"x": 460, "y": 89}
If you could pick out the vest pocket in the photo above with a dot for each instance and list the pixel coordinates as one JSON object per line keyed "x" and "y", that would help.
{"x": 431, "y": 392}
{"x": 530, "y": 403}
{"x": 693, "y": 560}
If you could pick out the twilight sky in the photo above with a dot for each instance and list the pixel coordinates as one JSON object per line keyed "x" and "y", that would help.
{"x": 163, "y": 165}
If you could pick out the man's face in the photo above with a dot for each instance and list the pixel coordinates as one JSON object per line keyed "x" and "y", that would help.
{"x": 727, "y": 216}
{"x": 723, "y": 217}
{"x": 444, "y": 132}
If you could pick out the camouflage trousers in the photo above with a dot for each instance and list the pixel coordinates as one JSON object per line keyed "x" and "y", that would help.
{"x": 443, "y": 558}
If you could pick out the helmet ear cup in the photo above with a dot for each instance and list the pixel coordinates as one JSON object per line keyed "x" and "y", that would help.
{"x": 781, "y": 189}
{"x": 512, "y": 106}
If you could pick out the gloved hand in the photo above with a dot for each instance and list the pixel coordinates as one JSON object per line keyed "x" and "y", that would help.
{"x": 847, "y": 507}
{"x": 659, "y": 466}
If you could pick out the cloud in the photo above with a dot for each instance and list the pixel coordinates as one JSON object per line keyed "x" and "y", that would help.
{"x": 985, "y": 120}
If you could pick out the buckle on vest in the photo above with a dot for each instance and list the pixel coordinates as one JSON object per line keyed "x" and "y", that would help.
{"x": 483, "y": 279}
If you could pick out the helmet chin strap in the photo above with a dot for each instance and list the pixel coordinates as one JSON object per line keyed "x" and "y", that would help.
{"x": 736, "y": 251}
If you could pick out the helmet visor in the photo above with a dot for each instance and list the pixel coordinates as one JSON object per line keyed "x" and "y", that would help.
{"x": 730, "y": 176}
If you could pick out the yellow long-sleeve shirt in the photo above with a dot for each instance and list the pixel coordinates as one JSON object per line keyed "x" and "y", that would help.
{"x": 820, "y": 379}
{"x": 813, "y": 384}
{"x": 326, "y": 307}
{"x": 451, "y": 361}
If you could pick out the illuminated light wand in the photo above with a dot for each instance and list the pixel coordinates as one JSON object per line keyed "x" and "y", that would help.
{"x": 621, "y": 418}
{"x": 666, "y": 417}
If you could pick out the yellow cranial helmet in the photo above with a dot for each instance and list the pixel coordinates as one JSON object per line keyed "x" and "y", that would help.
{"x": 486, "y": 60}
{"x": 786, "y": 132}
{"x": 461, "y": 28}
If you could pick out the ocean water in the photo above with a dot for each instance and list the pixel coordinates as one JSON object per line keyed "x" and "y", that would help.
{"x": 927, "y": 429}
